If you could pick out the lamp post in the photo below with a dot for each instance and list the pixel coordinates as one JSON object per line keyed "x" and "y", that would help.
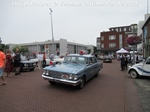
{"x": 53, "y": 48}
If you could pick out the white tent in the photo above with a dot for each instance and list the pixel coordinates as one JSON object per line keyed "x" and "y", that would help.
{"x": 122, "y": 51}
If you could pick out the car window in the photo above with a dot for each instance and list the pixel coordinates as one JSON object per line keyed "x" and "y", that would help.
{"x": 148, "y": 61}
{"x": 82, "y": 60}
{"x": 67, "y": 59}
{"x": 76, "y": 59}
{"x": 92, "y": 60}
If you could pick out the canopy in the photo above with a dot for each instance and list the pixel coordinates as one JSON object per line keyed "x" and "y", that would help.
{"x": 122, "y": 51}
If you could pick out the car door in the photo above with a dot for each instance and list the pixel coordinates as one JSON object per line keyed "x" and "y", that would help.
{"x": 89, "y": 68}
{"x": 95, "y": 66}
{"x": 146, "y": 68}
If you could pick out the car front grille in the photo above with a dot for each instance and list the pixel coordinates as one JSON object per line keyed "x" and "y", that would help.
{"x": 55, "y": 74}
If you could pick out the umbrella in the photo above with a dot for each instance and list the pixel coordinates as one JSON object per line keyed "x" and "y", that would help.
{"x": 122, "y": 51}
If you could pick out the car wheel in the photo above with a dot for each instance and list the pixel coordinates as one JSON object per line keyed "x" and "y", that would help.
{"x": 52, "y": 83}
{"x": 82, "y": 83}
{"x": 31, "y": 69}
{"x": 97, "y": 74}
{"x": 133, "y": 74}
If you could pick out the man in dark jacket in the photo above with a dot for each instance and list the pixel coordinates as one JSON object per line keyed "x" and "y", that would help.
{"x": 17, "y": 60}
{"x": 122, "y": 60}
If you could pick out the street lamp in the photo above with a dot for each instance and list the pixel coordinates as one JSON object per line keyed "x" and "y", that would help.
{"x": 53, "y": 48}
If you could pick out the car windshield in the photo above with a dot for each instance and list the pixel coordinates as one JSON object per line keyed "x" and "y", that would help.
{"x": 75, "y": 59}
{"x": 56, "y": 57}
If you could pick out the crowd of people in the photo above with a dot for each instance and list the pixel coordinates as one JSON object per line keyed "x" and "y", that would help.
{"x": 9, "y": 62}
{"x": 42, "y": 59}
{"x": 126, "y": 59}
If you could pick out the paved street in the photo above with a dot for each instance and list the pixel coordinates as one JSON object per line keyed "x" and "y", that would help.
{"x": 143, "y": 88}
{"x": 111, "y": 91}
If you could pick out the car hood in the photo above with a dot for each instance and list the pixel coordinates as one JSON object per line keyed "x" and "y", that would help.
{"x": 29, "y": 61}
{"x": 138, "y": 64}
{"x": 66, "y": 68}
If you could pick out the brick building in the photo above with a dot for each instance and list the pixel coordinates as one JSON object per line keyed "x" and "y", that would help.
{"x": 146, "y": 38}
{"x": 114, "y": 39}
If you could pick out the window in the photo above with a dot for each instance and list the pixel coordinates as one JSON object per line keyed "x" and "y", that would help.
{"x": 98, "y": 45}
{"x": 125, "y": 29}
{"x": 98, "y": 39}
{"x": 112, "y": 45}
{"x": 102, "y": 45}
{"x": 120, "y": 29}
{"x": 112, "y": 37}
{"x": 102, "y": 38}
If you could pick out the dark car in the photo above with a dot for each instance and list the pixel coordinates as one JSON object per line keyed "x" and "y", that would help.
{"x": 107, "y": 59}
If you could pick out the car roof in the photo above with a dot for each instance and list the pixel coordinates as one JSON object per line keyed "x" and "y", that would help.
{"x": 85, "y": 55}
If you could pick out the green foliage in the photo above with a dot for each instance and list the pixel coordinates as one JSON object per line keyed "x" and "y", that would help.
{"x": 95, "y": 49}
{"x": 4, "y": 47}
{"x": 21, "y": 49}
{"x": 89, "y": 51}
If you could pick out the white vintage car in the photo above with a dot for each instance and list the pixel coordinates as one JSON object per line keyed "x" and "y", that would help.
{"x": 140, "y": 69}
{"x": 57, "y": 59}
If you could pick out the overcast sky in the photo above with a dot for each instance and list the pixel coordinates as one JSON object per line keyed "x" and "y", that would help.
{"x": 81, "y": 21}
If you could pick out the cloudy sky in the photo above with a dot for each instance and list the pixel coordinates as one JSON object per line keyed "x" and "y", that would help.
{"x": 81, "y": 21}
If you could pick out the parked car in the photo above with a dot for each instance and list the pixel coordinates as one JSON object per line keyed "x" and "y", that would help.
{"x": 107, "y": 59}
{"x": 26, "y": 65}
{"x": 75, "y": 70}
{"x": 57, "y": 59}
{"x": 140, "y": 69}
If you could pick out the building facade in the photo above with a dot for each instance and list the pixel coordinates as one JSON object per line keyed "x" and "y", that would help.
{"x": 146, "y": 38}
{"x": 114, "y": 39}
{"x": 60, "y": 47}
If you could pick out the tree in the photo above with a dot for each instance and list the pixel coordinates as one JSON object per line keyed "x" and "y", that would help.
{"x": 21, "y": 49}
{"x": 89, "y": 51}
{"x": 95, "y": 49}
{"x": 4, "y": 47}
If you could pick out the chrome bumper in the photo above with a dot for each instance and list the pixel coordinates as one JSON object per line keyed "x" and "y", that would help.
{"x": 64, "y": 81}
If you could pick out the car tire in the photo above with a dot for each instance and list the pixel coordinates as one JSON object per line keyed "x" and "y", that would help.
{"x": 52, "y": 83}
{"x": 31, "y": 69}
{"x": 96, "y": 75}
{"x": 82, "y": 83}
{"x": 134, "y": 74}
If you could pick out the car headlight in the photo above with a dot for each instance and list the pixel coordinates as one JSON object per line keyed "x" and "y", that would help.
{"x": 45, "y": 73}
{"x": 73, "y": 77}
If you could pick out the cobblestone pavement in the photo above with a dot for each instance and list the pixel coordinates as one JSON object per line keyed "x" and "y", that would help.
{"x": 111, "y": 91}
{"x": 143, "y": 88}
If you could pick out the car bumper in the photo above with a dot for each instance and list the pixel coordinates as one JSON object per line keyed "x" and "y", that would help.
{"x": 63, "y": 81}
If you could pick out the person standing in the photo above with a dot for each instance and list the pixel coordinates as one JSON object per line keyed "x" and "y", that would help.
{"x": 122, "y": 60}
{"x": 8, "y": 66}
{"x": 17, "y": 60}
{"x": 2, "y": 65}
{"x": 51, "y": 58}
{"x": 44, "y": 59}
{"x": 126, "y": 62}
{"x": 40, "y": 59}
